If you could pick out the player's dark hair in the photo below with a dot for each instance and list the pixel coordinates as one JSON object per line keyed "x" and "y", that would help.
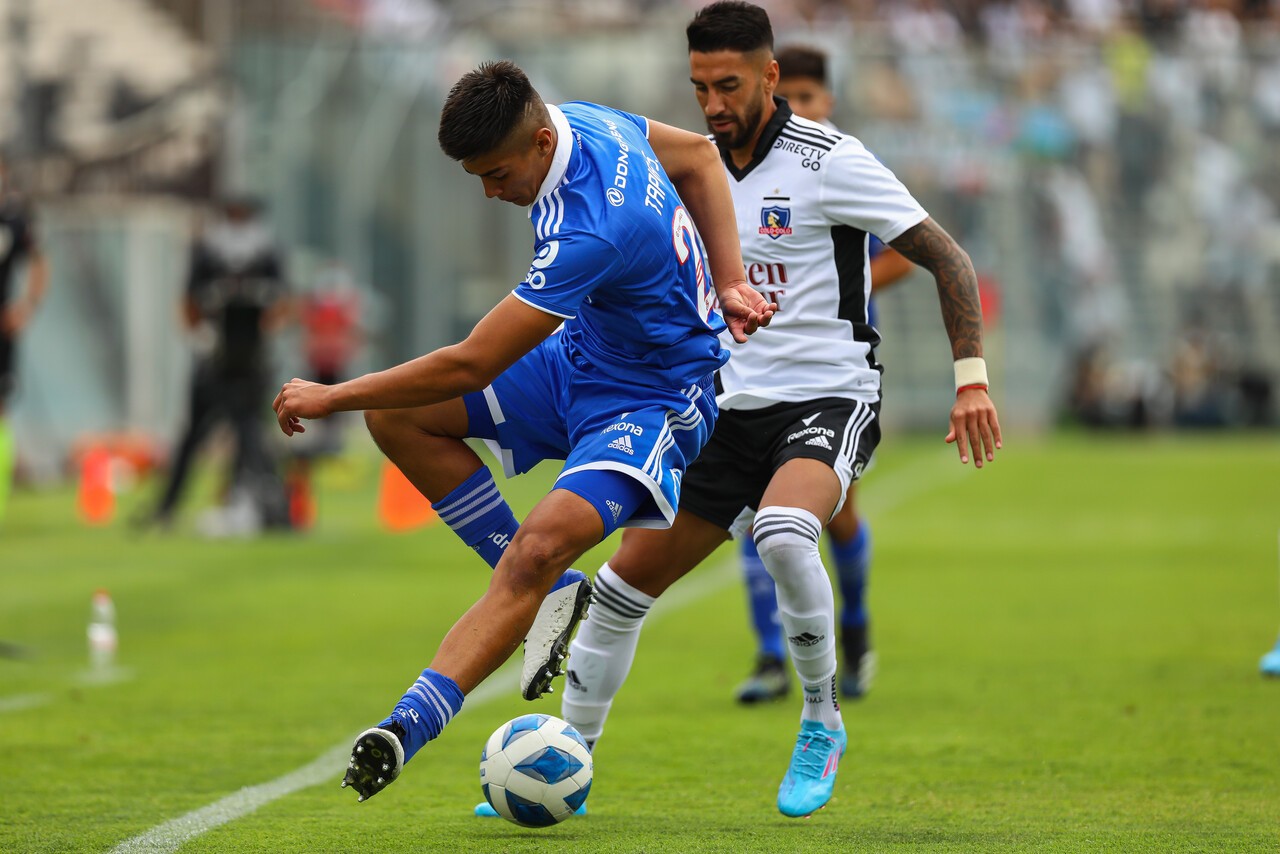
{"x": 730, "y": 25}
{"x": 801, "y": 61}
{"x": 484, "y": 107}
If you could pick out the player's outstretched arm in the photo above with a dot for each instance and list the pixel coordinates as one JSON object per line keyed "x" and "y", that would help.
{"x": 692, "y": 162}
{"x": 506, "y": 333}
{"x": 973, "y": 418}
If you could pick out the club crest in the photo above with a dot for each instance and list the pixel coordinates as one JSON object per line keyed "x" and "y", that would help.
{"x": 775, "y": 221}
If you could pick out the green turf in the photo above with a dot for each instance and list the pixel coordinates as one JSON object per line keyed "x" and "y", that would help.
{"x": 1068, "y": 648}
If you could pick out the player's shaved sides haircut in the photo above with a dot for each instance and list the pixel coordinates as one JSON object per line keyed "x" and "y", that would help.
{"x": 485, "y": 107}
{"x": 801, "y": 61}
{"x": 730, "y": 25}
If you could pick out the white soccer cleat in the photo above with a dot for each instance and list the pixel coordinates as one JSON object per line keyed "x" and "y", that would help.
{"x": 547, "y": 644}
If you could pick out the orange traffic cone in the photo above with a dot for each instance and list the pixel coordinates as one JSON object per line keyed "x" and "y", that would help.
{"x": 95, "y": 500}
{"x": 401, "y": 507}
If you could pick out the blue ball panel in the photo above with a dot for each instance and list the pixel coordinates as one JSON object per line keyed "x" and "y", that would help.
{"x": 528, "y": 813}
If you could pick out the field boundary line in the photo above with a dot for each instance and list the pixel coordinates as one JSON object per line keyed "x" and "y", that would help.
{"x": 914, "y": 479}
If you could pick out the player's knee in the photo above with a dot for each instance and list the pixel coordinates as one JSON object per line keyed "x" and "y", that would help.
{"x": 787, "y": 539}
{"x": 380, "y": 422}
{"x": 535, "y": 559}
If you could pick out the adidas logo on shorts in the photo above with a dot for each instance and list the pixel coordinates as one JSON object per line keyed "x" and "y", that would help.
{"x": 623, "y": 443}
{"x": 819, "y": 441}
{"x": 615, "y": 507}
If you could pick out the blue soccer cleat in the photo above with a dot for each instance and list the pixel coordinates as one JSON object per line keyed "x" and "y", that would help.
{"x": 1270, "y": 663}
{"x": 483, "y": 810}
{"x": 547, "y": 644}
{"x": 812, "y": 775}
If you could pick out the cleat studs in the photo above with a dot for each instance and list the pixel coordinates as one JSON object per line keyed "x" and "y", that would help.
{"x": 386, "y": 767}
{"x": 359, "y": 799}
{"x": 379, "y": 781}
{"x": 359, "y": 748}
{"x": 344, "y": 784}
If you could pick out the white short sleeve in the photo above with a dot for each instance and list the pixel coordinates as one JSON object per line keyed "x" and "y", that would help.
{"x": 859, "y": 190}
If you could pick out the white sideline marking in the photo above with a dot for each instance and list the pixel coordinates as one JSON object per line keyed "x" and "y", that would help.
{"x": 166, "y": 838}
{"x": 328, "y": 767}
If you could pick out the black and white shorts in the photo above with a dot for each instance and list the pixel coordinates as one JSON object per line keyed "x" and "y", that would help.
{"x": 727, "y": 480}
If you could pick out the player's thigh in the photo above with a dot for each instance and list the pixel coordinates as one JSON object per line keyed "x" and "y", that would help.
{"x": 448, "y": 419}
{"x": 652, "y": 559}
{"x": 556, "y": 532}
{"x": 805, "y": 483}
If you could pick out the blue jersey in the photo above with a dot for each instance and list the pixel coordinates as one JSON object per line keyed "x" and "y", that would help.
{"x": 617, "y": 255}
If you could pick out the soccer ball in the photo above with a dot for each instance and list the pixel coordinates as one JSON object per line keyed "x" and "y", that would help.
{"x": 535, "y": 770}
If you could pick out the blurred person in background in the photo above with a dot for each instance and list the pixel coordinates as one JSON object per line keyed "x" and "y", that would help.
{"x": 803, "y": 82}
{"x": 17, "y": 242}
{"x": 804, "y": 395}
{"x": 236, "y": 298}
{"x": 329, "y": 314}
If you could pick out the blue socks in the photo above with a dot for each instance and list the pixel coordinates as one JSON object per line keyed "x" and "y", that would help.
{"x": 852, "y": 558}
{"x": 480, "y": 516}
{"x": 762, "y": 597}
{"x": 429, "y": 704}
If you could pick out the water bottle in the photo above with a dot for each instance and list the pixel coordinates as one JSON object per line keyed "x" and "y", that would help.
{"x": 102, "y": 633}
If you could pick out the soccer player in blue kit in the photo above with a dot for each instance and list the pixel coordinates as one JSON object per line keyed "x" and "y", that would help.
{"x": 623, "y": 393}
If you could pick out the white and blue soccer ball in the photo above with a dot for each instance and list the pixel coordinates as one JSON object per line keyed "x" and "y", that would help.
{"x": 535, "y": 770}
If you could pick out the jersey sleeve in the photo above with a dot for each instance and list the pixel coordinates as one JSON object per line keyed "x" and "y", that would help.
{"x": 639, "y": 121}
{"x": 565, "y": 271}
{"x": 860, "y": 191}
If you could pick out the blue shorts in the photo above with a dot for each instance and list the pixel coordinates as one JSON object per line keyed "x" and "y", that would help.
{"x": 554, "y": 405}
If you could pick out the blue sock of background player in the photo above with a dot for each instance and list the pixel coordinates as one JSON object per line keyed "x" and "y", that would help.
{"x": 852, "y": 558}
{"x": 771, "y": 677}
{"x": 762, "y": 596}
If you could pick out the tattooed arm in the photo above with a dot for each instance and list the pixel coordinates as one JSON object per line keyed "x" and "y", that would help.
{"x": 973, "y": 418}
{"x": 928, "y": 245}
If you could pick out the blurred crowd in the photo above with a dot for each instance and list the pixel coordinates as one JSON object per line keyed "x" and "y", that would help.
{"x": 1113, "y": 165}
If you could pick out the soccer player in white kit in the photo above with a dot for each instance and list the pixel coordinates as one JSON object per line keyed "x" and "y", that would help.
{"x": 804, "y": 396}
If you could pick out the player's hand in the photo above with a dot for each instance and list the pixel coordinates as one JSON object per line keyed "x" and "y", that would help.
{"x": 297, "y": 400}
{"x": 744, "y": 310}
{"x": 974, "y": 425}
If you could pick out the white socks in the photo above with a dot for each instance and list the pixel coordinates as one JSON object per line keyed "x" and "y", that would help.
{"x": 787, "y": 539}
{"x": 600, "y": 655}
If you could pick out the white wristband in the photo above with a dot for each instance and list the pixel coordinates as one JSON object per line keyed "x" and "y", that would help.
{"x": 971, "y": 371}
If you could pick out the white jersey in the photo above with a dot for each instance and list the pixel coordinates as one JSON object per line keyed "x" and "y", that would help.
{"x": 805, "y": 205}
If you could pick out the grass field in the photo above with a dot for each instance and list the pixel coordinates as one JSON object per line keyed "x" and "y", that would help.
{"x": 1068, "y": 663}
